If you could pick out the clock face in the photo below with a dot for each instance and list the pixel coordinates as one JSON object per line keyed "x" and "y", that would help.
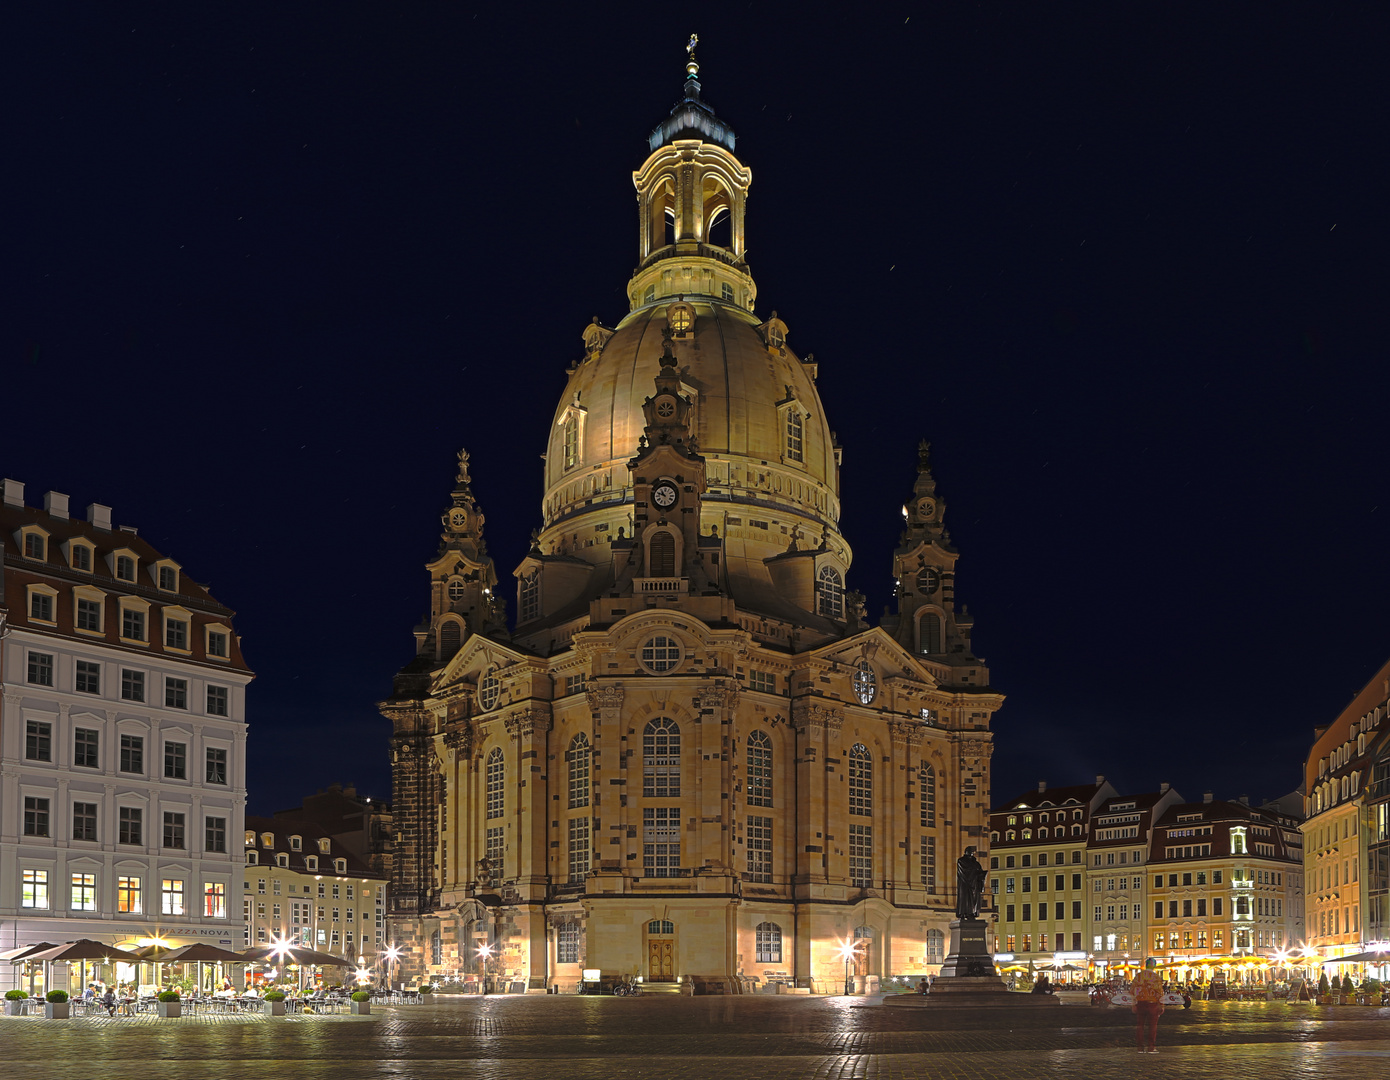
{"x": 664, "y": 494}
{"x": 925, "y": 508}
{"x": 458, "y": 518}
{"x": 665, "y": 408}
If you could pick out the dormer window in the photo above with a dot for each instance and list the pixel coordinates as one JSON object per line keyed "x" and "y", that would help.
{"x": 340, "y": 866}
{"x": 43, "y": 601}
{"x": 311, "y": 862}
{"x": 267, "y": 839}
{"x": 250, "y": 838}
{"x": 166, "y": 575}
{"x": 295, "y": 843}
{"x": 775, "y": 332}
{"x": 325, "y": 845}
{"x": 176, "y": 622}
{"x": 830, "y": 593}
{"x": 571, "y": 438}
{"x": 218, "y": 641}
{"x": 35, "y": 543}
{"x": 125, "y": 568}
{"x": 529, "y": 606}
{"x": 281, "y": 859}
{"x": 680, "y": 317}
{"x": 80, "y": 556}
{"x": 794, "y": 434}
{"x": 252, "y": 857}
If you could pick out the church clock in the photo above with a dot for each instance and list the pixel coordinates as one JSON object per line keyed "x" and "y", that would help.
{"x": 664, "y": 494}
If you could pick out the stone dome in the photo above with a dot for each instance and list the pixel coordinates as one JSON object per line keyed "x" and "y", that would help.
{"x": 749, "y": 394}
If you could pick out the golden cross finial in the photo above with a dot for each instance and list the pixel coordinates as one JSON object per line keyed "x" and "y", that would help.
{"x": 691, "y": 67}
{"x": 694, "y": 40}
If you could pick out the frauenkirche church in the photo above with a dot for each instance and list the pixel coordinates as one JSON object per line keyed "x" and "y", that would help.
{"x": 691, "y": 760}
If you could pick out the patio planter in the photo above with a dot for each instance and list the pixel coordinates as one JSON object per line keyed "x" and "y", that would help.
{"x": 169, "y": 1008}
{"x": 56, "y": 1010}
{"x": 360, "y": 1008}
{"x": 273, "y": 1008}
{"x": 14, "y": 1008}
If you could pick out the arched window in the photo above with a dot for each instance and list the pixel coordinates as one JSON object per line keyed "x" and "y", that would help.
{"x": 793, "y": 434}
{"x": 861, "y": 781}
{"x": 571, "y": 436}
{"x": 489, "y": 690}
{"x": 450, "y": 638}
{"x": 865, "y": 683}
{"x": 759, "y": 783}
{"x": 930, "y": 634}
{"x": 768, "y": 943}
{"x": 529, "y": 604}
{"x": 661, "y": 759}
{"x": 456, "y": 590}
{"x": 660, "y": 928}
{"x": 830, "y": 593}
{"x": 936, "y": 946}
{"x": 661, "y": 555}
{"x": 579, "y": 759}
{"x": 496, "y": 779}
{"x": 926, "y": 795}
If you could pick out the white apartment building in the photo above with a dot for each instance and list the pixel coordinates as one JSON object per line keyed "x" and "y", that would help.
{"x": 122, "y": 739}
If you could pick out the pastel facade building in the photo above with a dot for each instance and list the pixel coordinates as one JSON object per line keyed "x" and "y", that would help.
{"x": 122, "y": 737}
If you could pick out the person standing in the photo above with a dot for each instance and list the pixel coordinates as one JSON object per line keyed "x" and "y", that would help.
{"x": 1147, "y": 1008}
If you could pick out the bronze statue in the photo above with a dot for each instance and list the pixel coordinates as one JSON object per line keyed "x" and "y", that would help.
{"x": 970, "y": 885}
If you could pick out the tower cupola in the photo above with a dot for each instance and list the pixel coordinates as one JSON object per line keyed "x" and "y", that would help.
{"x": 691, "y": 196}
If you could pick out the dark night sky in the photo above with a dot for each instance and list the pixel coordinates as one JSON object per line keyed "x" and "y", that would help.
{"x": 268, "y": 267}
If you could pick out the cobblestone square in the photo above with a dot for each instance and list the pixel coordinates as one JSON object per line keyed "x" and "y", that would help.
{"x": 680, "y": 1038}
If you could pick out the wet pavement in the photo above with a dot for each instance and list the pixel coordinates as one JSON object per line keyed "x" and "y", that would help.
{"x": 682, "y": 1038}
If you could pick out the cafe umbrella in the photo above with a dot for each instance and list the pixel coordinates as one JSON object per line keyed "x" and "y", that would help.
{"x": 284, "y": 953}
{"x": 23, "y": 954}
{"x": 201, "y": 952}
{"x": 82, "y": 950}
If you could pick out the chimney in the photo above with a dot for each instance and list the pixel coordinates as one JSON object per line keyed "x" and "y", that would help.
{"x": 1206, "y": 798}
{"x": 1042, "y": 786}
{"x": 1244, "y": 800}
{"x": 1099, "y": 779}
{"x": 1163, "y": 789}
{"x": 14, "y": 493}
{"x": 100, "y": 516}
{"x": 56, "y": 504}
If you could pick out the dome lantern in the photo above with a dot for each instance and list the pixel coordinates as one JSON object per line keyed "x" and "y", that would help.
{"x": 691, "y": 194}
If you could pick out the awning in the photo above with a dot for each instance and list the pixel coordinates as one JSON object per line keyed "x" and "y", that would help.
{"x": 1360, "y": 958}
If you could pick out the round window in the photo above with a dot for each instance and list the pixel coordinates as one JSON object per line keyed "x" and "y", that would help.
{"x": 455, "y": 590}
{"x": 660, "y": 654}
{"x": 865, "y": 683}
{"x": 489, "y": 690}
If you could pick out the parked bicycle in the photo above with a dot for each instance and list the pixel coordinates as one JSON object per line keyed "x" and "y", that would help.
{"x": 627, "y": 988}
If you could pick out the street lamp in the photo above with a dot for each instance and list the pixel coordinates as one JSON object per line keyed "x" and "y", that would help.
{"x": 392, "y": 954}
{"x": 847, "y": 951}
{"x": 484, "y": 955}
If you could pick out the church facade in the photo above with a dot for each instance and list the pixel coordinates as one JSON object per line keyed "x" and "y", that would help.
{"x": 690, "y": 759}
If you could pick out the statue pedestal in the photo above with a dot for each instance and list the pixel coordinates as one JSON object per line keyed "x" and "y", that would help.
{"x": 968, "y": 979}
{"x": 968, "y": 957}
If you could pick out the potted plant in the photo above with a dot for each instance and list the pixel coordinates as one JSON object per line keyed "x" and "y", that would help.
{"x": 361, "y": 1003}
{"x": 168, "y": 1003}
{"x": 57, "y": 1006}
{"x": 274, "y": 1003}
{"x": 14, "y": 1002}
{"x": 1324, "y": 990}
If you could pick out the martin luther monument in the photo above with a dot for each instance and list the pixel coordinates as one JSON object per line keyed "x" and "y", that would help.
{"x": 968, "y": 977}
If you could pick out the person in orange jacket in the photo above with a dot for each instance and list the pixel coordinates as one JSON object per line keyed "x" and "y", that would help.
{"x": 1147, "y": 1008}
